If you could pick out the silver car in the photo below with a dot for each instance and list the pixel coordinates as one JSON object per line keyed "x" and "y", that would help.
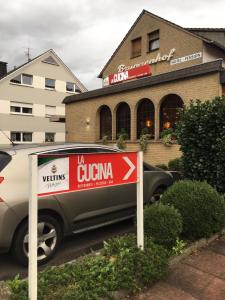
{"x": 61, "y": 215}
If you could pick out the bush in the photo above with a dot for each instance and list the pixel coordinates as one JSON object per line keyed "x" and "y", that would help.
{"x": 201, "y": 134}
{"x": 201, "y": 207}
{"x": 176, "y": 164}
{"x": 135, "y": 267}
{"x": 163, "y": 224}
{"x": 162, "y": 166}
{"x": 124, "y": 265}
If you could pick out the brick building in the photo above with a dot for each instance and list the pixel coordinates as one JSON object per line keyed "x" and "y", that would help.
{"x": 184, "y": 64}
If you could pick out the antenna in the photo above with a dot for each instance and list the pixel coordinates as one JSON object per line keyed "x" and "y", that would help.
{"x": 7, "y": 137}
{"x": 27, "y": 53}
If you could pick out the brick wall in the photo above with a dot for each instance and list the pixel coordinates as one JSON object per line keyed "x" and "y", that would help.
{"x": 79, "y": 114}
{"x": 171, "y": 37}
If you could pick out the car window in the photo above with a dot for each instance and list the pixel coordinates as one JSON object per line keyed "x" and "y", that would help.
{"x": 5, "y": 158}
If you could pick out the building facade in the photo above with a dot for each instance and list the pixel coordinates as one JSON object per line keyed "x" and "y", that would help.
{"x": 31, "y": 100}
{"x": 184, "y": 65}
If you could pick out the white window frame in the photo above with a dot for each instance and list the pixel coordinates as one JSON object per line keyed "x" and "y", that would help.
{"x": 21, "y": 105}
{"x": 74, "y": 87}
{"x": 50, "y": 88}
{"x": 21, "y": 137}
{"x": 53, "y": 133}
{"x": 21, "y": 79}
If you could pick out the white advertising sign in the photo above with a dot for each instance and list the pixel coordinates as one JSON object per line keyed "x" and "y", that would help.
{"x": 186, "y": 58}
{"x": 53, "y": 175}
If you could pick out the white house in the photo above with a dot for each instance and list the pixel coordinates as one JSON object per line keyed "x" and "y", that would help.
{"x": 31, "y": 109}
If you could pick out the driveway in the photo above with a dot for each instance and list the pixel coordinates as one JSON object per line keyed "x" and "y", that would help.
{"x": 201, "y": 276}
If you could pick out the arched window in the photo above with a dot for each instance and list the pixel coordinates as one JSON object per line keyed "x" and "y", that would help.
{"x": 123, "y": 119}
{"x": 169, "y": 111}
{"x": 145, "y": 118}
{"x": 105, "y": 122}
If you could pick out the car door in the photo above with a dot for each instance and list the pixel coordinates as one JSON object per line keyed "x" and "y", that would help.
{"x": 90, "y": 207}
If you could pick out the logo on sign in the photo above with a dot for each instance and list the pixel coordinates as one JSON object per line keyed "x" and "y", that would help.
{"x": 87, "y": 172}
{"x": 54, "y": 169}
{"x": 120, "y": 77}
{"x": 54, "y": 176}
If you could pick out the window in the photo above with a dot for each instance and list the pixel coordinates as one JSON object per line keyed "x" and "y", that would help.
{"x": 70, "y": 87}
{"x": 105, "y": 122}
{"x": 24, "y": 79}
{"x": 123, "y": 120}
{"x": 49, "y": 137}
{"x": 169, "y": 111}
{"x": 50, "y": 111}
{"x": 136, "y": 47}
{"x": 50, "y": 83}
{"x": 50, "y": 60}
{"x": 153, "y": 41}
{"x": 17, "y": 136}
{"x": 21, "y": 108}
{"x": 145, "y": 118}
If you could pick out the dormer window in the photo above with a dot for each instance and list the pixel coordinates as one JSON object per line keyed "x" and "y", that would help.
{"x": 153, "y": 41}
{"x": 136, "y": 47}
{"x": 23, "y": 79}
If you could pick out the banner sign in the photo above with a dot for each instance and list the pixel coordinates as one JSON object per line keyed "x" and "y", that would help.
{"x": 186, "y": 58}
{"x": 77, "y": 172}
{"x": 129, "y": 74}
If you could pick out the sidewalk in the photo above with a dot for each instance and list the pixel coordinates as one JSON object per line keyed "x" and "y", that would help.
{"x": 200, "y": 276}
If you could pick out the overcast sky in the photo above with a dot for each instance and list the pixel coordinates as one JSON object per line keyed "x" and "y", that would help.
{"x": 85, "y": 33}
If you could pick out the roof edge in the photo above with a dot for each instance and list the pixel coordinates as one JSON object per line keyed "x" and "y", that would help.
{"x": 196, "y": 70}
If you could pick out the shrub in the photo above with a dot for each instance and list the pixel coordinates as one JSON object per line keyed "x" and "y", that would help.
{"x": 201, "y": 134}
{"x": 201, "y": 207}
{"x": 162, "y": 166}
{"x": 176, "y": 164}
{"x": 143, "y": 142}
{"x": 124, "y": 265}
{"x": 163, "y": 224}
{"x": 134, "y": 266}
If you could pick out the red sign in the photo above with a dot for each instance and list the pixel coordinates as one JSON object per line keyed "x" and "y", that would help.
{"x": 130, "y": 74}
{"x": 77, "y": 172}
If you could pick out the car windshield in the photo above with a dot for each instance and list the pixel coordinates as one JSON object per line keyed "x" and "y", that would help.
{"x": 4, "y": 160}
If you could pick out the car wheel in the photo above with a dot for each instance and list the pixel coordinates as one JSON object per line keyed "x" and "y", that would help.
{"x": 156, "y": 196}
{"x": 49, "y": 239}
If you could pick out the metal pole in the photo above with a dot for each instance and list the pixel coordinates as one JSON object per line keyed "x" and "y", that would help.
{"x": 140, "y": 204}
{"x": 32, "y": 230}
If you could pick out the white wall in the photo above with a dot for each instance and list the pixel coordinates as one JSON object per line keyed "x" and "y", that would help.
{"x": 4, "y": 106}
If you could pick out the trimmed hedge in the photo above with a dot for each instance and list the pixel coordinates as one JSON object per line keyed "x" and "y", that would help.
{"x": 201, "y": 206}
{"x": 163, "y": 224}
{"x": 201, "y": 134}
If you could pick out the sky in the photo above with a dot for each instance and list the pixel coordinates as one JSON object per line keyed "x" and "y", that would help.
{"x": 85, "y": 33}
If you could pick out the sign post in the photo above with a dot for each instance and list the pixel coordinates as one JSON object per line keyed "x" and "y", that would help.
{"x": 140, "y": 204}
{"x": 58, "y": 174}
{"x": 33, "y": 225}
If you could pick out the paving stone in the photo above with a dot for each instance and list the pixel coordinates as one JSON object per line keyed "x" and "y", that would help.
{"x": 215, "y": 290}
{"x": 208, "y": 261}
{"x": 189, "y": 279}
{"x": 163, "y": 291}
{"x": 218, "y": 246}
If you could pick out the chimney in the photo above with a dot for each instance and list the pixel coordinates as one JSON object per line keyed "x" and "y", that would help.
{"x": 3, "y": 69}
